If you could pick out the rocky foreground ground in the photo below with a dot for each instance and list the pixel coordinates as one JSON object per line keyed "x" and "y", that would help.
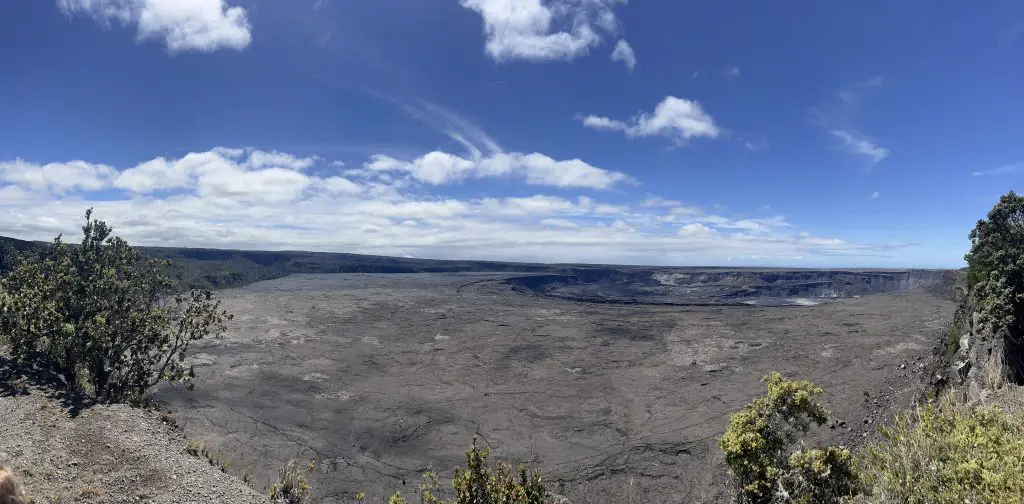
{"x": 105, "y": 454}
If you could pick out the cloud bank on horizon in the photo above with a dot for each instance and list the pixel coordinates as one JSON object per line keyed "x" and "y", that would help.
{"x": 242, "y": 197}
{"x": 317, "y": 125}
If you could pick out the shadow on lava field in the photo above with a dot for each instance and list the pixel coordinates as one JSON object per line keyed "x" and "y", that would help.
{"x": 382, "y": 376}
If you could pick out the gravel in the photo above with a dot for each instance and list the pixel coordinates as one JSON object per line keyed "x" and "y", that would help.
{"x": 107, "y": 454}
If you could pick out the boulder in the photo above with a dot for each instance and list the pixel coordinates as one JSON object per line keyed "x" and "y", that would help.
{"x": 554, "y": 498}
{"x": 962, "y": 368}
{"x": 965, "y": 343}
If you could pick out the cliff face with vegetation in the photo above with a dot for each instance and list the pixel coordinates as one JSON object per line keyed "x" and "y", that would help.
{"x": 990, "y": 349}
{"x": 965, "y": 446}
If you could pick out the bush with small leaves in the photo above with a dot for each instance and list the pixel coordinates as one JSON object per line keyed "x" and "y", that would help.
{"x": 757, "y": 444}
{"x": 818, "y": 476}
{"x": 103, "y": 317}
{"x": 430, "y": 488}
{"x": 477, "y": 483}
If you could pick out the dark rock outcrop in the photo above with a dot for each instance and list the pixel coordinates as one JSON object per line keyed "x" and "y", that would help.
{"x": 697, "y": 286}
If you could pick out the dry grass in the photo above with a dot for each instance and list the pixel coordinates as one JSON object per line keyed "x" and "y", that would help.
{"x": 89, "y": 492}
{"x": 292, "y": 486}
{"x": 993, "y": 372}
{"x": 10, "y": 490}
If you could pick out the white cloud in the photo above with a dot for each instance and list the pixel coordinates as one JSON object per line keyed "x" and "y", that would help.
{"x": 696, "y": 215}
{"x": 686, "y": 210}
{"x": 441, "y": 168}
{"x": 624, "y": 52}
{"x": 604, "y": 123}
{"x": 732, "y": 72}
{"x": 341, "y": 185}
{"x": 676, "y": 118}
{"x": 875, "y": 195}
{"x": 56, "y": 177}
{"x": 696, "y": 229}
{"x": 823, "y": 242}
{"x": 756, "y": 225}
{"x": 560, "y": 223}
{"x": 655, "y": 201}
{"x": 154, "y": 175}
{"x": 534, "y": 205}
{"x": 229, "y": 152}
{"x": 270, "y": 184}
{"x": 338, "y": 163}
{"x": 259, "y": 159}
{"x": 1002, "y": 170}
{"x": 860, "y": 145}
{"x": 218, "y": 198}
{"x": 183, "y": 25}
{"x": 550, "y": 205}
{"x": 531, "y": 29}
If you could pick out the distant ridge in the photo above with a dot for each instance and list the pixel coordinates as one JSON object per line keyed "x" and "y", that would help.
{"x": 226, "y": 268}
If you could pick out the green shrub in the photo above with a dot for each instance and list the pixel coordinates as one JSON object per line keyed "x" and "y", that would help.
{"x": 955, "y": 454}
{"x": 818, "y": 476}
{"x": 477, "y": 483}
{"x": 102, "y": 317}
{"x": 757, "y": 444}
{"x": 430, "y": 489}
{"x": 953, "y": 334}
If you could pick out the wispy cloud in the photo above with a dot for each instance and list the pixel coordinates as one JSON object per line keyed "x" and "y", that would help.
{"x": 725, "y": 73}
{"x": 838, "y": 118}
{"x": 756, "y": 145}
{"x": 1011, "y": 35}
{"x": 658, "y": 201}
{"x": 447, "y": 122}
{"x": 860, "y": 145}
{"x": 850, "y": 98}
{"x": 1002, "y": 170}
{"x": 875, "y": 195}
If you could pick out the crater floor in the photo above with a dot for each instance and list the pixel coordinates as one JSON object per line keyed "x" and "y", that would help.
{"x": 382, "y": 376}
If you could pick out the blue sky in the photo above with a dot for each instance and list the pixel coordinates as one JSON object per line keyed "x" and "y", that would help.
{"x": 652, "y": 132}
